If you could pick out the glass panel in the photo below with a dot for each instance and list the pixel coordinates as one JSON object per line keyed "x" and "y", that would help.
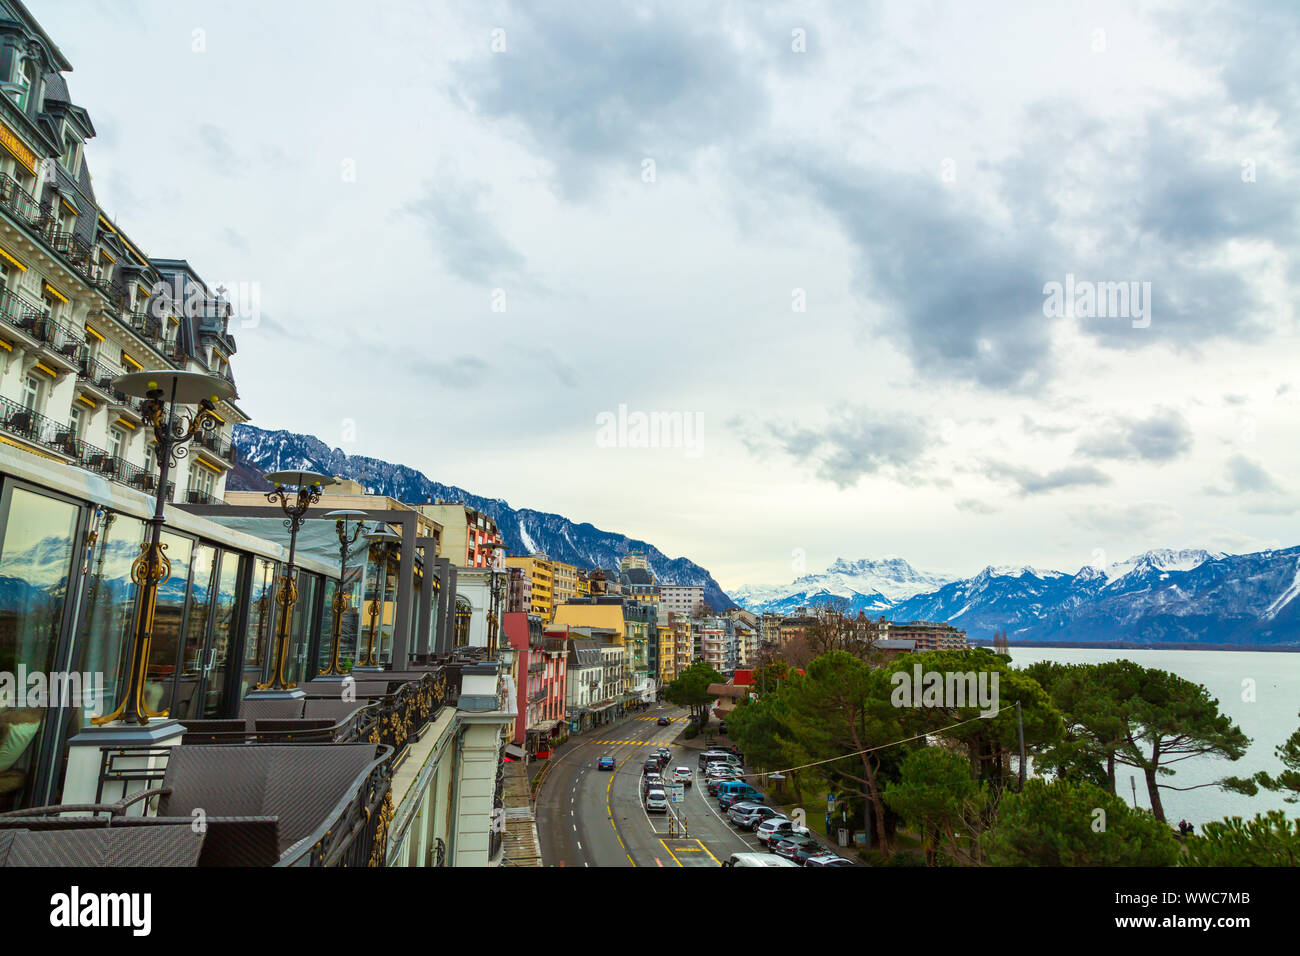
{"x": 352, "y": 616}
{"x": 326, "y": 626}
{"x": 261, "y": 618}
{"x": 34, "y": 567}
{"x": 169, "y": 610}
{"x": 223, "y": 634}
{"x": 194, "y": 653}
{"x": 295, "y": 664}
{"x": 108, "y": 625}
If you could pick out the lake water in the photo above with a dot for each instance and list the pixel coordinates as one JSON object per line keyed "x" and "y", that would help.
{"x": 1268, "y": 721}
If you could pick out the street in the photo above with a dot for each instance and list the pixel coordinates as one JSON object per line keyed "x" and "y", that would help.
{"x": 588, "y": 817}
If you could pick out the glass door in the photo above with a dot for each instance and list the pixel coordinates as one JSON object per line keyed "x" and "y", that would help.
{"x": 194, "y": 650}
{"x": 216, "y": 672}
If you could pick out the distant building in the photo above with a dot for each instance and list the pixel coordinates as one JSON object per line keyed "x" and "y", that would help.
{"x": 542, "y": 581}
{"x": 683, "y": 599}
{"x": 468, "y": 535}
{"x": 564, "y": 582}
{"x": 634, "y": 559}
{"x": 929, "y": 636}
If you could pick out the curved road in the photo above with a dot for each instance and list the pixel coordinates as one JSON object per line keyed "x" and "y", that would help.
{"x": 588, "y": 817}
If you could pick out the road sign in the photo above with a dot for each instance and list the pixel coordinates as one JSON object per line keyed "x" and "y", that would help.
{"x": 677, "y": 792}
{"x": 830, "y": 803}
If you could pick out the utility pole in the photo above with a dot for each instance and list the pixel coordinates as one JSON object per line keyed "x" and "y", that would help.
{"x": 1020, "y": 730}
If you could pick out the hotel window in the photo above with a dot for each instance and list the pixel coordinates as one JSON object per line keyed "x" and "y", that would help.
{"x": 116, "y": 443}
{"x": 75, "y": 421}
{"x": 24, "y": 81}
{"x": 52, "y": 304}
{"x": 151, "y": 458}
{"x": 92, "y": 347}
{"x": 33, "y": 389}
{"x": 202, "y": 479}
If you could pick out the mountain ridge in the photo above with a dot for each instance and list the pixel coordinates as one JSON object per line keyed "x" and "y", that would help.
{"x": 523, "y": 529}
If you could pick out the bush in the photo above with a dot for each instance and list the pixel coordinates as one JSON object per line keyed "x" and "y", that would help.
{"x": 691, "y": 732}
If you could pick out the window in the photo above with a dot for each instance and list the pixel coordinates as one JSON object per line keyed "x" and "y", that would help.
{"x": 151, "y": 458}
{"x": 32, "y": 389}
{"x": 24, "y": 81}
{"x": 75, "y": 422}
{"x": 92, "y": 347}
{"x": 70, "y": 148}
{"x": 116, "y": 443}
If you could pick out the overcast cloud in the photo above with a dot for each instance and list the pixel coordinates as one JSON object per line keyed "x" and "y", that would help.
{"x": 825, "y": 228}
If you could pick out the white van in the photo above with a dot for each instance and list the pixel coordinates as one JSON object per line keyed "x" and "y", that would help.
{"x": 757, "y": 859}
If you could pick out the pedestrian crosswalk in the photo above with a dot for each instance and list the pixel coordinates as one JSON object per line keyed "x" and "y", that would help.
{"x": 656, "y": 718}
{"x": 637, "y": 742}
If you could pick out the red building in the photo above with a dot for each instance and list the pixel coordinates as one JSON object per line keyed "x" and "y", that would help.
{"x": 542, "y": 669}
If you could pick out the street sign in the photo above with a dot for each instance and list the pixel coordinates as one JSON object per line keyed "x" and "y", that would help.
{"x": 677, "y": 792}
{"x": 830, "y": 803}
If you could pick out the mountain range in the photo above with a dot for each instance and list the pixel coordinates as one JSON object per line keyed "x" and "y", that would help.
{"x": 523, "y": 530}
{"x": 1164, "y": 596}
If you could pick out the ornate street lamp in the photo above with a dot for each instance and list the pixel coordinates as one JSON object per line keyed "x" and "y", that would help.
{"x": 383, "y": 546}
{"x": 494, "y": 616}
{"x": 162, "y": 390}
{"x": 342, "y": 596}
{"x": 295, "y": 492}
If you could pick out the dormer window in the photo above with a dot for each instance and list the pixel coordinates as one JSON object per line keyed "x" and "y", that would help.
{"x": 23, "y": 83}
{"x": 71, "y": 153}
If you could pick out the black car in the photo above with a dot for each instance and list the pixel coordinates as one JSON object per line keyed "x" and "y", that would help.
{"x": 652, "y": 765}
{"x": 664, "y": 721}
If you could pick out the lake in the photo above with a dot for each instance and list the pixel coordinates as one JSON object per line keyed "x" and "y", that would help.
{"x": 1268, "y": 720}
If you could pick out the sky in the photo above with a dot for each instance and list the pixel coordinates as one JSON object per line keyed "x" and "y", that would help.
{"x": 852, "y": 246}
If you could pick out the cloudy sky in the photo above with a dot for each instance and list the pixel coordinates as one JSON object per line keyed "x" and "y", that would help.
{"x": 825, "y": 232}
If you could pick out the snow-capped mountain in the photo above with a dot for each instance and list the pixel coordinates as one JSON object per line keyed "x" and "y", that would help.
{"x": 523, "y": 529}
{"x": 865, "y": 585}
{"x": 1190, "y": 596}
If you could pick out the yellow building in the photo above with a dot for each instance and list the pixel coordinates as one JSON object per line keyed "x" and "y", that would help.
{"x": 566, "y": 582}
{"x": 584, "y": 585}
{"x": 541, "y": 577}
{"x": 667, "y": 653}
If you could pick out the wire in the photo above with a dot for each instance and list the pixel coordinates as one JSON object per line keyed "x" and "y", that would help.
{"x": 892, "y": 743}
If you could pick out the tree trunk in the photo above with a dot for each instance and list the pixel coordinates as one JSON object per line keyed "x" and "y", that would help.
{"x": 1110, "y": 771}
{"x": 1153, "y": 790}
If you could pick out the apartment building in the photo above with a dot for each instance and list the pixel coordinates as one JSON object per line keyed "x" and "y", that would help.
{"x": 541, "y": 579}
{"x": 633, "y": 559}
{"x": 80, "y": 303}
{"x": 683, "y": 599}
{"x": 928, "y": 636}
{"x": 469, "y": 535}
{"x": 564, "y": 582}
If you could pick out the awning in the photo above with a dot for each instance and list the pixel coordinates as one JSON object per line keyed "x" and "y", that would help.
{"x": 516, "y": 752}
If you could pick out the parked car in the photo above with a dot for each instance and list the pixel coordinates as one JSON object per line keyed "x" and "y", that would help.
{"x": 737, "y": 791}
{"x": 741, "y": 809}
{"x": 753, "y": 817}
{"x": 709, "y": 756}
{"x": 789, "y": 845}
{"x": 605, "y": 763}
{"x": 776, "y": 828}
{"x": 664, "y": 721}
{"x": 651, "y": 781}
{"x": 656, "y": 801}
{"x": 683, "y": 776}
{"x": 828, "y": 859}
{"x": 712, "y": 783}
{"x": 755, "y": 859}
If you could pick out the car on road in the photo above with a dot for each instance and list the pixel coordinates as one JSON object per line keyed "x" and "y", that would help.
{"x": 683, "y": 776}
{"x": 828, "y": 859}
{"x": 656, "y": 801}
{"x": 664, "y": 721}
{"x": 651, "y": 781}
{"x": 651, "y": 765}
{"x": 665, "y": 755}
{"x": 741, "y": 808}
{"x": 605, "y": 763}
{"x": 776, "y": 828}
{"x": 788, "y": 846}
{"x": 752, "y": 816}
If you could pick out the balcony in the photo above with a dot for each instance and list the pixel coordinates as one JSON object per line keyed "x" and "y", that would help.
{"x": 17, "y": 201}
{"x": 33, "y": 427}
{"x": 57, "y": 341}
{"x": 196, "y": 497}
{"x": 96, "y": 374}
{"x": 213, "y": 442}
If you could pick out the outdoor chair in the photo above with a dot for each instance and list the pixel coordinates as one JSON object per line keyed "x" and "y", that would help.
{"x": 172, "y": 844}
{"x": 273, "y": 708}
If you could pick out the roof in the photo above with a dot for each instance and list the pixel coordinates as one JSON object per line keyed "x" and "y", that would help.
{"x": 743, "y": 678}
{"x": 895, "y": 644}
{"x": 728, "y": 690}
{"x": 608, "y": 616}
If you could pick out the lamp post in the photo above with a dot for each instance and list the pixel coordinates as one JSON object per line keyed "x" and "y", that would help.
{"x": 162, "y": 390}
{"x": 383, "y": 543}
{"x": 343, "y": 594}
{"x": 494, "y": 616}
{"x": 295, "y": 492}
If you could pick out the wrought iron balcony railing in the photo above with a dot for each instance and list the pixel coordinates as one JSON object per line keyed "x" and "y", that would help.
{"x": 213, "y": 442}
{"x": 34, "y": 427}
{"x": 94, "y": 372}
{"x": 16, "y": 200}
{"x": 196, "y": 497}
